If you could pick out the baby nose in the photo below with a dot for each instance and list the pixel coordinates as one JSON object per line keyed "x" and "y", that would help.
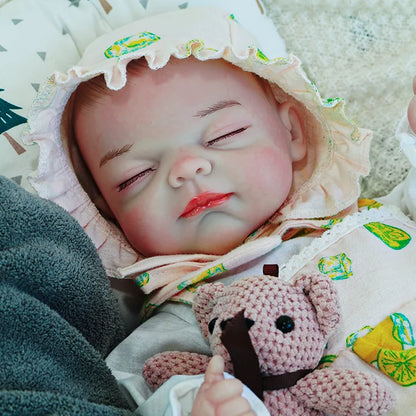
{"x": 187, "y": 169}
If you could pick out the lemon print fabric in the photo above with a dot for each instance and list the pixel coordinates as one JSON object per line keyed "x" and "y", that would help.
{"x": 390, "y": 347}
{"x": 365, "y": 203}
{"x": 261, "y": 56}
{"x": 206, "y": 274}
{"x": 393, "y": 237}
{"x": 130, "y": 44}
{"x": 142, "y": 279}
{"x": 327, "y": 360}
{"x": 336, "y": 267}
{"x": 399, "y": 365}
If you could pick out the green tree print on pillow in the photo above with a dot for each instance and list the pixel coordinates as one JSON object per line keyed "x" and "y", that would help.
{"x": 8, "y": 118}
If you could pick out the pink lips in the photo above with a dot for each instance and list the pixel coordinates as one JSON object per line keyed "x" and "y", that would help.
{"x": 204, "y": 201}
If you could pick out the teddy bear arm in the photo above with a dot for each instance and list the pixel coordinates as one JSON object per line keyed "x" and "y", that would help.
{"x": 163, "y": 366}
{"x": 343, "y": 392}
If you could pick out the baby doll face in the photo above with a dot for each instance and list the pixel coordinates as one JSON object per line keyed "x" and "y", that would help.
{"x": 190, "y": 158}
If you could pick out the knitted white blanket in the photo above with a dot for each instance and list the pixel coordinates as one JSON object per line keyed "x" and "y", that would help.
{"x": 364, "y": 52}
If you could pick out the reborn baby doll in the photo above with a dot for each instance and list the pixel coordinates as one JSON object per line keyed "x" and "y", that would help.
{"x": 189, "y": 156}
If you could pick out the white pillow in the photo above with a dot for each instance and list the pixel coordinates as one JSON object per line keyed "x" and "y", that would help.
{"x": 38, "y": 37}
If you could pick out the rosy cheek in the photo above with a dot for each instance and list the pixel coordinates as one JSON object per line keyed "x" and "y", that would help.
{"x": 148, "y": 234}
{"x": 264, "y": 167}
{"x": 135, "y": 226}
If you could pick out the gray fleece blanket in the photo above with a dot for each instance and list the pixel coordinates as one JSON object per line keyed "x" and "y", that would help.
{"x": 58, "y": 316}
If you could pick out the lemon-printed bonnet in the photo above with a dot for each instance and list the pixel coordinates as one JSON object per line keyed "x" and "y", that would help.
{"x": 337, "y": 148}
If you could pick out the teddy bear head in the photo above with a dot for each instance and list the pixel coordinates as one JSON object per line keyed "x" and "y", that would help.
{"x": 287, "y": 324}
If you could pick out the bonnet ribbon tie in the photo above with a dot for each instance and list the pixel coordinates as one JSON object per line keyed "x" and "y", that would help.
{"x": 245, "y": 362}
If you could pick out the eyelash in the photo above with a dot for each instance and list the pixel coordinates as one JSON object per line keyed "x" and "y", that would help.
{"x": 225, "y": 136}
{"x": 133, "y": 179}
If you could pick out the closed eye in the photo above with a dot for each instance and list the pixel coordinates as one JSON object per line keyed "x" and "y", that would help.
{"x": 226, "y": 136}
{"x": 134, "y": 178}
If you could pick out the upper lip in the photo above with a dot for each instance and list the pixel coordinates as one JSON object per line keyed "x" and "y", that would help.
{"x": 204, "y": 201}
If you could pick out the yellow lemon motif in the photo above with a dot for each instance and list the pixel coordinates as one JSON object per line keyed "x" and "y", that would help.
{"x": 391, "y": 334}
{"x": 336, "y": 267}
{"x": 368, "y": 203}
{"x": 130, "y": 44}
{"x": 393, "y": 237}
{"x": 352, "y": 338}
{"x": 385, "y": 346}
{"x": 206, "y": 274}
{"x": 193, "y": 288}
{"x": 399, "y": 365}
{"x": 331, "y": 223}
{"x": 195, "y": 45}
{"x": 261, "y": 56}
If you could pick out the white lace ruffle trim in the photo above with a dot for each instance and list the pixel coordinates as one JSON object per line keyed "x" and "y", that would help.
{"x": 349, "y": 223}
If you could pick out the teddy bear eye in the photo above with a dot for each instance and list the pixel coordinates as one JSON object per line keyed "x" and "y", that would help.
{"x": 211, "y": 325}
{"x": 285, "y": 324}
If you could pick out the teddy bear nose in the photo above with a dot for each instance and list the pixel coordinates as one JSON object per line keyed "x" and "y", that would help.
{"x": 249, "y": 323}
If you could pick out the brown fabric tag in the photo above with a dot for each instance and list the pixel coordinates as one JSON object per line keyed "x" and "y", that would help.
{"x": 271, "y": 270}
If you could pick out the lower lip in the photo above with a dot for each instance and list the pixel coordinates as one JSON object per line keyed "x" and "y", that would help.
{"x": 210, "y": 204}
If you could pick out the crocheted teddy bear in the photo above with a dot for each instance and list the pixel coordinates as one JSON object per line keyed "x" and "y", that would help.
{"x": 272, "y": 335}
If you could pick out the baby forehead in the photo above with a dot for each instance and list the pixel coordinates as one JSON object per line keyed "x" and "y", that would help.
{"x": 188, "y": 77}
{"x": 210, "y": 68}
{"x": 188, "y": 83}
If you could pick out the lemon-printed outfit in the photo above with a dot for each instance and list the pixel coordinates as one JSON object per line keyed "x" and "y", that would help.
{"x": 391, "y": 346}
{"x": 367, "y": 249}
{"x": 371, "y": 258}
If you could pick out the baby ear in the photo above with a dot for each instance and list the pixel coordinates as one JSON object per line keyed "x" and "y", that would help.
{"x": 291, "y": 118}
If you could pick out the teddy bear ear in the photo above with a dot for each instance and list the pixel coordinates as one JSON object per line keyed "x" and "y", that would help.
{"x": 321, "y": 292}
{"x": 205, "y": 300}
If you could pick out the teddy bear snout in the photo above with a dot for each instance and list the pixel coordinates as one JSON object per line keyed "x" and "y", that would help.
{"x": 248, "y": 322}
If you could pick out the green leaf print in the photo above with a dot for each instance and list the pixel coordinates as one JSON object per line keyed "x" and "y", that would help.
{"x": 130, "y": 44}
{"x": 393, "y": 237}
{"x": 327, "y": 360}
{"x": 402, "y": 329}
{"x": 261, "y": 56}
{"x": 142, "y": 279}
{"x": 350, "y": 341}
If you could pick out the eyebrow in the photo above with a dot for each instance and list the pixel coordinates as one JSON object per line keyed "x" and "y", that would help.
{"x": 114, "y": 153}
{"x": 216, "y": 107}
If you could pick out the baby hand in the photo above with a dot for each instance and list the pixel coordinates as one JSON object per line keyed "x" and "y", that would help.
{"x": 411, "y": 111}
{"x": 220, "y": 397}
